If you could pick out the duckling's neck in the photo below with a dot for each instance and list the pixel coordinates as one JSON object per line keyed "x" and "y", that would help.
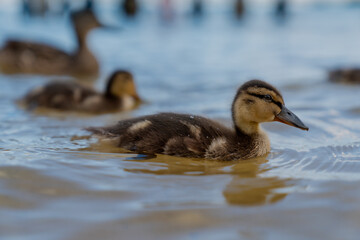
{"x": 248, "y": 128}
{"x": 242, "y": 118}
{"x": 256, "y": 137}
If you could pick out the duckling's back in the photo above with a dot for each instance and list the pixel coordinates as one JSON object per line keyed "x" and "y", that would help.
{"x": 58, "y": 95}
{"x": 178, "y": 135}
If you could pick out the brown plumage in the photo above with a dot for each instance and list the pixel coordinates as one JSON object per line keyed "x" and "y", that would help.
{"x": 21, "y": 57}
{"x": 347, "y": 76}
{"x": 120, "y": 94}
{"x": 195, "y": 136}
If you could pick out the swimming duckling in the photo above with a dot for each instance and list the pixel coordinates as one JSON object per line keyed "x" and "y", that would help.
{"x": 194, "y": 136}
{"x": 348, "y": 76}
{"x": 35, "y": 58}
{"x": 120, "y": 95}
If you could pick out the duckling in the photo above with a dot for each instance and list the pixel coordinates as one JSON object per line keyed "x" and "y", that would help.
{"x": 347, "y": 76}
{"x": 130, "y": 7}
{"x": 197, "y": 8}
{"x": 120, "y": 95}
{"x": 35, "y": 7}
{"x": 89, "y": 5}
{"x": 239, "y": 8}
{"x": 198, "y": 137}
{"x": 281, "y": 8}
{"x": 35, "y": 58}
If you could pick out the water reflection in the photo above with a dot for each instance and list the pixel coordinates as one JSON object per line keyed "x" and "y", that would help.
{"x": 255, "y": 191}
{"x": 102, "y": 193}
{"x": 247, "y": 186}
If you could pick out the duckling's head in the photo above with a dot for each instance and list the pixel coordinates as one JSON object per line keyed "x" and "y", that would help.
{"x": 121, "y": 84}
{"x": 85, "y": 20}
{"x": 257, "y": 102}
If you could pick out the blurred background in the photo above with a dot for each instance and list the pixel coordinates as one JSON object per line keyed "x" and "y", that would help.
{"x": 188, "y": 56}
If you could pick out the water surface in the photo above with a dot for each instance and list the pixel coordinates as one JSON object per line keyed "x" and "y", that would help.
{"x": 57, "y": 183}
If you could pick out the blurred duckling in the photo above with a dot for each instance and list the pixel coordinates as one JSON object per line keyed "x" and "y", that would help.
{"x": 120, "y": 95}
{"x": 239, "y": 8}
{"x": 89, "y": 5}
{"x": 130, "y": 7}
{"x": 347, "y": 76}
{"x": 35, "y": 7}
{"x": 20, "y": 57}
{"x": 197, "y": 8}
{"x": 281, "y": 8}
{"x": 198, "y": 137}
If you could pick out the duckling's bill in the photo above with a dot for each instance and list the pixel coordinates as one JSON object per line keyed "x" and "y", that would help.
{"x": 289, "y": 118}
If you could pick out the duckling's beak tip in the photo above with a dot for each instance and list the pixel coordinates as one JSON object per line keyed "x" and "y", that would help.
{"x": 289, "y": 118}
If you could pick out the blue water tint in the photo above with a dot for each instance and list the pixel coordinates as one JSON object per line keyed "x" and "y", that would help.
{"x": 57, "y": 183}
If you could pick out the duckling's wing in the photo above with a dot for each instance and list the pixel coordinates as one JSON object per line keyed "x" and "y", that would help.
{"x": 28, "y": 57}
{"x": 58, "y": 95}
{"x": 167, "y": 133}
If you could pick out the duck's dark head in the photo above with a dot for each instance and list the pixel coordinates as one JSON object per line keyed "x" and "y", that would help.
{"x": 85, "y": 20}
{"x": 121, "y": 84}
{"x": 257, "y": 102}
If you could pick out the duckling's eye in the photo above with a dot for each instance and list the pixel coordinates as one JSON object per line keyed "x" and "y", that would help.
{"x": 267, "y": 97}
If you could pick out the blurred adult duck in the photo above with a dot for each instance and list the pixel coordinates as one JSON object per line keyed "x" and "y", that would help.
{"x": 346, "y": 75}
{"x": 22, "y": 57}
{"x": 120, "y": 95}
{"x": 193, "y": 136}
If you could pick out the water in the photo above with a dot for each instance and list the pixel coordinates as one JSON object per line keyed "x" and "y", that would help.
{"x": 57, "y": 183}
